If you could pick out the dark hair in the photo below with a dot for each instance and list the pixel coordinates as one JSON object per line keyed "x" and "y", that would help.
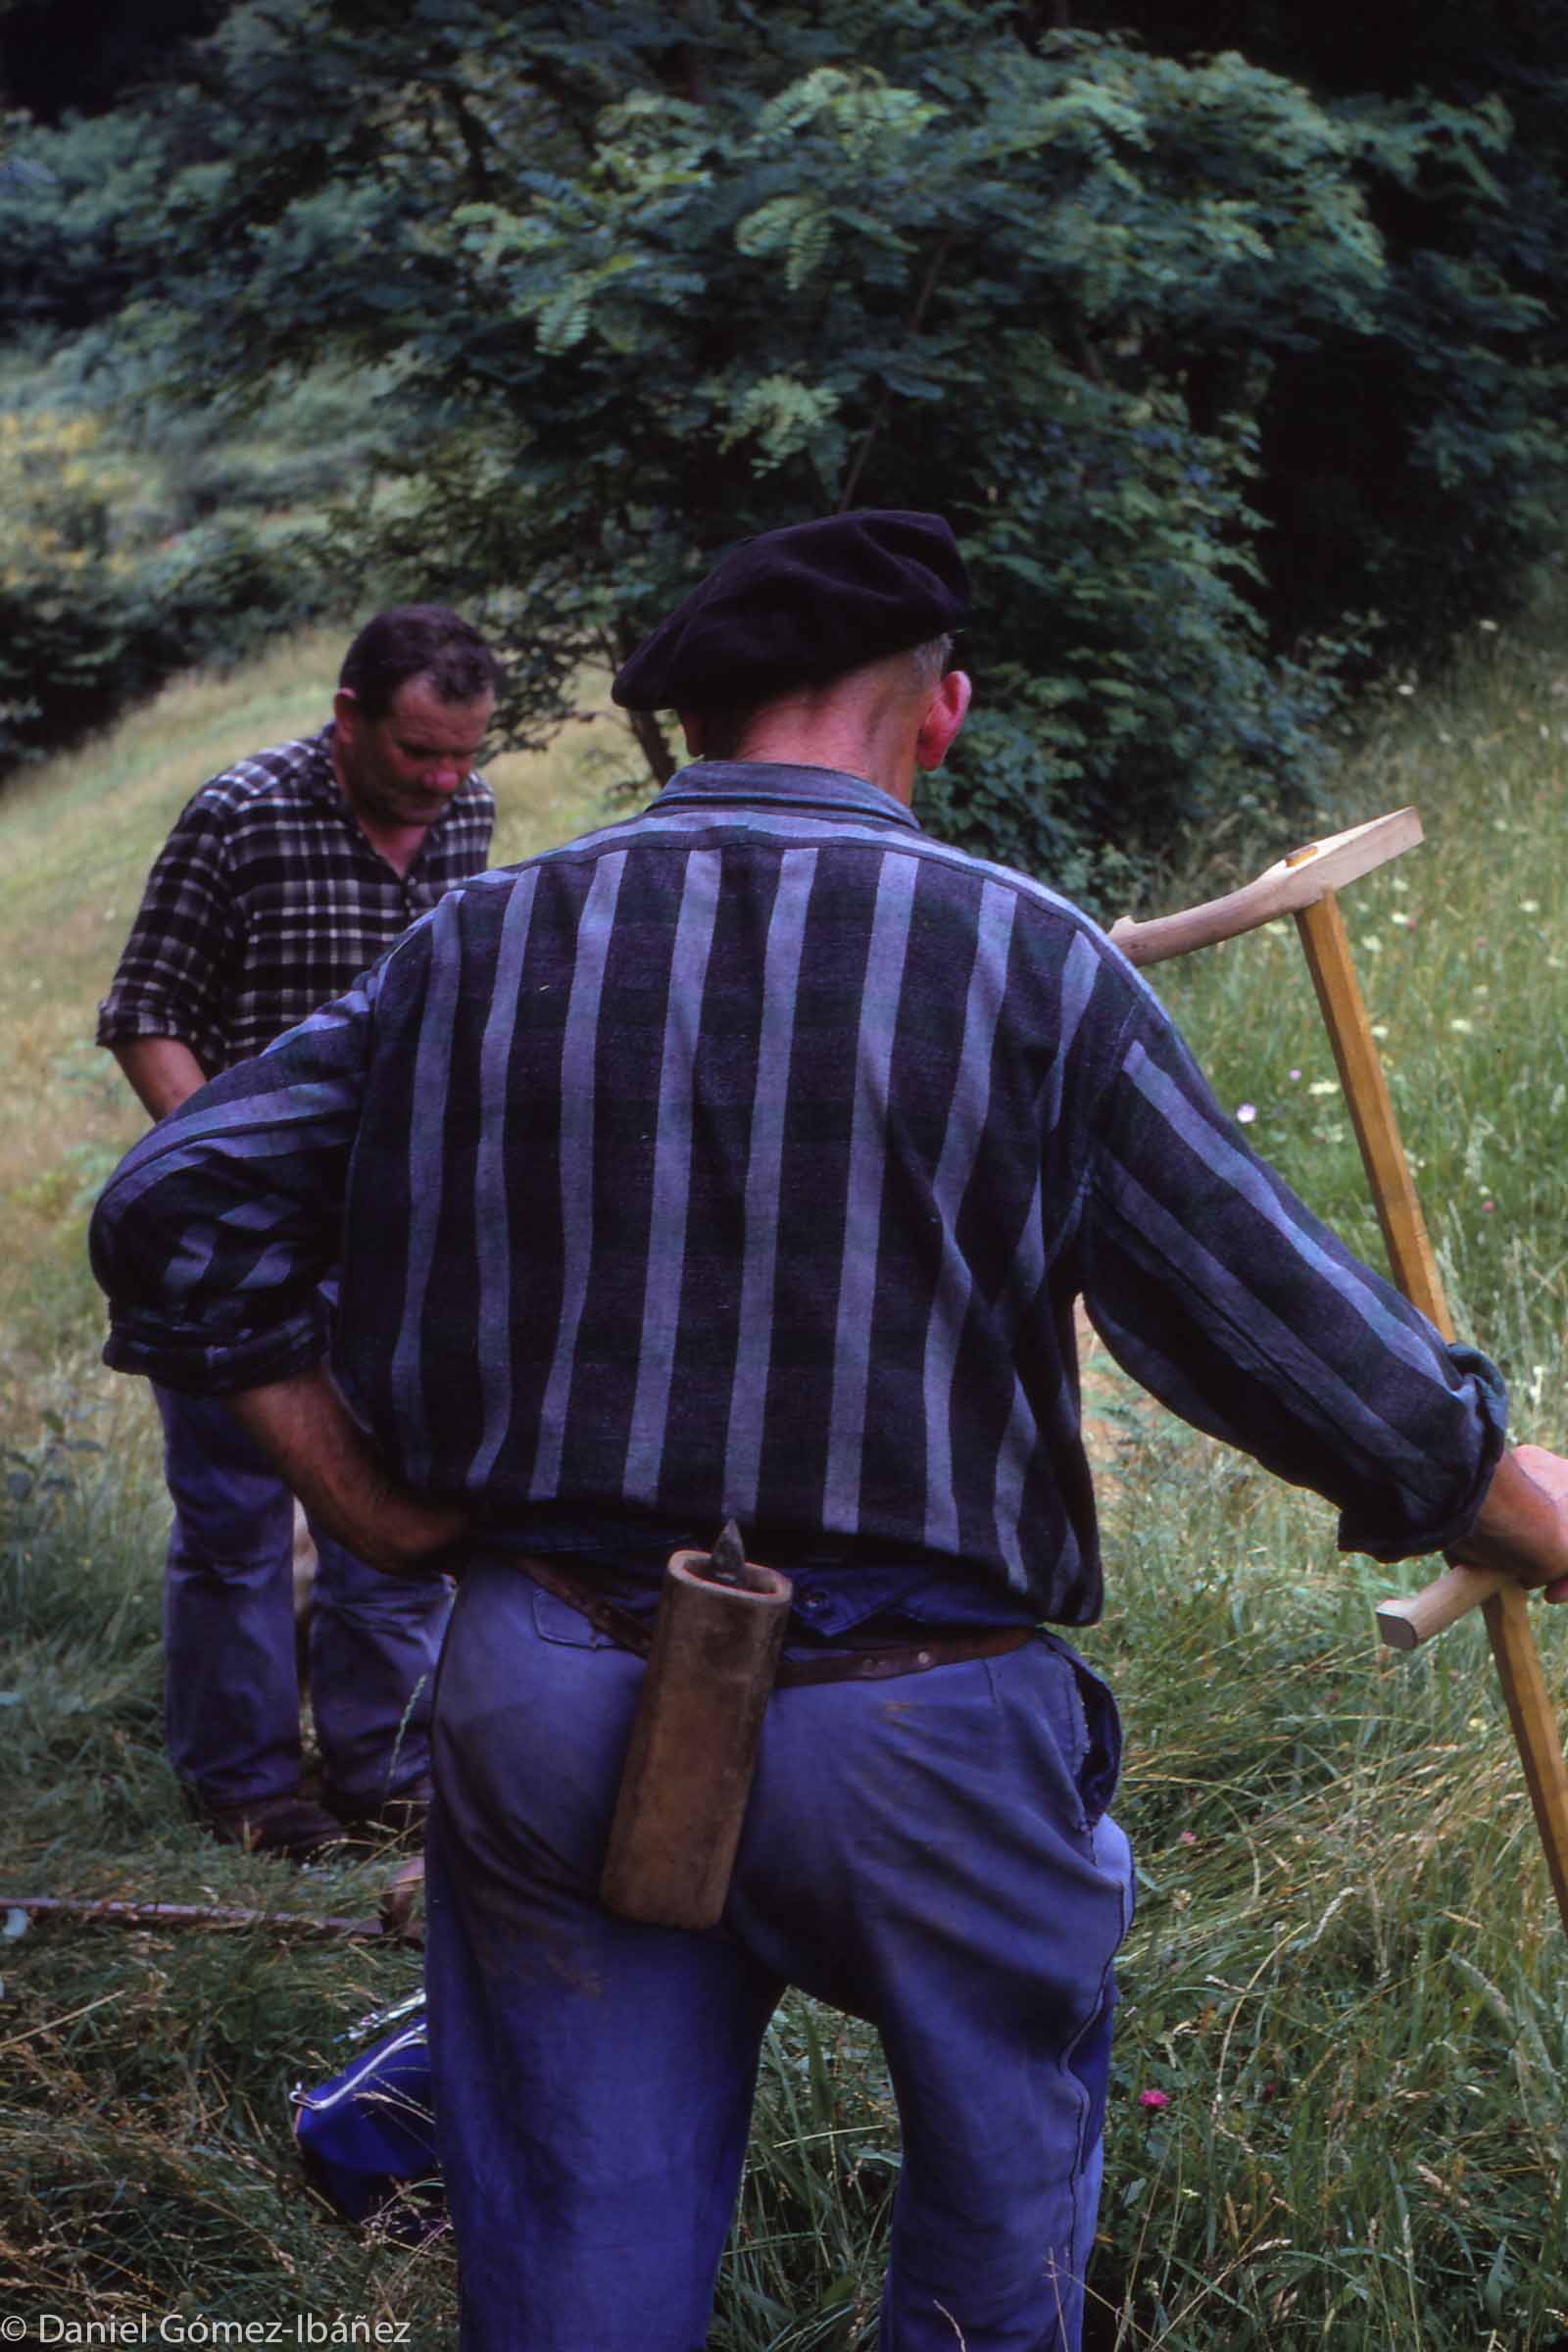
{"x": 417, "y": 641}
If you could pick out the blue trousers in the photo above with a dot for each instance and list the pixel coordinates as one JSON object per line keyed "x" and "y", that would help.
{"x": 930, "y": 1853}
{"x": 232, "y": 1705}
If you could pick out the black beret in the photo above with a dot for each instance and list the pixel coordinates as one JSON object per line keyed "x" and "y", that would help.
{"x": 800, "y": 606}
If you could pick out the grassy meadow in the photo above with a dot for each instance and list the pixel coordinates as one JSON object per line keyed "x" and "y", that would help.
{"x": 1340, "y": 2091}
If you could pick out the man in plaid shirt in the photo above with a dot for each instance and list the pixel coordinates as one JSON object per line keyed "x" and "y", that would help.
{"x": 283, "y": 879}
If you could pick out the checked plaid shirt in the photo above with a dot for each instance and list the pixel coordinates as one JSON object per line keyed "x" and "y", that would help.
{"x": 267, "y": 901}
{"x": 747, "y": 1157}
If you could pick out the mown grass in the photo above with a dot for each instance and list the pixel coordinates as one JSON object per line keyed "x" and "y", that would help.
{"x": 1339, "y": 2098}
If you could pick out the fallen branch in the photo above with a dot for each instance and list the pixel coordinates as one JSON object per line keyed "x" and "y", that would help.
{"x": 391, "y": 1921}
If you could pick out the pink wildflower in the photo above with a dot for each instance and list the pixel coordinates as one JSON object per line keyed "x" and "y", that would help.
{"x": 1153, "y": 2098}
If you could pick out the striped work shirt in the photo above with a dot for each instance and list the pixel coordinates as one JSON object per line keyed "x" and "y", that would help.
{"x": 747, "y": 1157}
{"x": 267, "y": 901}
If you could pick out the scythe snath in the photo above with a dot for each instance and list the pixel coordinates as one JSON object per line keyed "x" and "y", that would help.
{"x": 1303, "y": 885}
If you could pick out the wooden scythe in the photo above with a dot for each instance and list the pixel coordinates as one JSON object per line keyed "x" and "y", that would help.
{"x": 1303, "y": 884}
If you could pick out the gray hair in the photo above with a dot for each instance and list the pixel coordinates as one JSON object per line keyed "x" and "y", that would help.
{"x": 726, "y": 725}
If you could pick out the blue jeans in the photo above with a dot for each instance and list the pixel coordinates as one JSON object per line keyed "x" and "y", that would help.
{"x": 231, "y": 1685}
{"x": 930, "y": 1853}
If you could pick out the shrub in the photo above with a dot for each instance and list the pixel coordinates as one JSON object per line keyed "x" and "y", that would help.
{"x": 93, "y": 615}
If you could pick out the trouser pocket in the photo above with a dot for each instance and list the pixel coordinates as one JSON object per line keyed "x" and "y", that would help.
{"x": 1095, "y": 1751}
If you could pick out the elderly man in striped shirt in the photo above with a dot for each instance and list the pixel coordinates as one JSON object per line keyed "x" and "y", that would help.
{"x": 747, "y": 1157}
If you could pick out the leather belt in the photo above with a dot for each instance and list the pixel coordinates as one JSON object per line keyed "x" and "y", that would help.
{"x": 878, "y": 1665}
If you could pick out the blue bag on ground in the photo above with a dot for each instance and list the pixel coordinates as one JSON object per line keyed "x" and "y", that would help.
{"x": 367, "y": 2139}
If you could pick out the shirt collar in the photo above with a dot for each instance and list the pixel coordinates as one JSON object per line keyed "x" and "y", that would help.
{"x": 776, "y": 784}
{"x": 320, "y": 773}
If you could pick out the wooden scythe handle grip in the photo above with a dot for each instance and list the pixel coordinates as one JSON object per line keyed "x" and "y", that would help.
{"x": 1419, "y": 1615}
{"x": 1162, "y": 936}
{"x": 1292, "y": 883}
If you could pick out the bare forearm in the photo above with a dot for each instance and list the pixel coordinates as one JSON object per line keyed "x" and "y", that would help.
{"x": 302, "y": 1423}
{"x": 163, "y": 1072}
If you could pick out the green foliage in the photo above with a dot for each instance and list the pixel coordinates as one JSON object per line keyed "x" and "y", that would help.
{"x": 1209, "y": 369}
{"x": 1418, "y": 470}
{"x": 81, "y": 218}
{"x": 971, "y": 278}
{"x": 97, "y": 606}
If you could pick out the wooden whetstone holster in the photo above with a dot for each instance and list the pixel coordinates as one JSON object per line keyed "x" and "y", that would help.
{"x": 693, "y": 1743}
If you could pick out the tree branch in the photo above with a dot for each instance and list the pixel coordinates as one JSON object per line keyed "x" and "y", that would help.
{"x": 644, "y": 724}
{"x": 650, "y": 739}
{"x": 472, "y": 135}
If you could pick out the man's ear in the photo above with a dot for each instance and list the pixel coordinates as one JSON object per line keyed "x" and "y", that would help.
{"x": 691, "y": 726}
{"x": 949, "y": 707}
{"x": 346, "y": 712}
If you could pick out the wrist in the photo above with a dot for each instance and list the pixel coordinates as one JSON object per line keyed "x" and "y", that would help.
{"x": 1520, "y": 1528}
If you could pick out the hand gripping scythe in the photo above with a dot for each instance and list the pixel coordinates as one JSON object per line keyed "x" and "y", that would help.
{"x": 1304, "y": 884}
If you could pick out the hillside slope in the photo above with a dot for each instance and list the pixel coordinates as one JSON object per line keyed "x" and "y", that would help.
{"x": 77, "y": 834}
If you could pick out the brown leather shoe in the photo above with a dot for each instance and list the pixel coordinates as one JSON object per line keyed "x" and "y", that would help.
{"x": 289, "y": 1825}
{"x": 395, "y": 1820}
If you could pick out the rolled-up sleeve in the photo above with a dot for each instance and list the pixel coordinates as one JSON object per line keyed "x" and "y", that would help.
{"x": 214, "y": 1233}
{"x": 1215, "y": 1286}
{"x": 169, "y": 976}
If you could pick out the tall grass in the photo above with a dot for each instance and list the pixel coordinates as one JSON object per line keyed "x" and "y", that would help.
{"x": 1347, "y": 1978}
{"x": 1337, "y": 2102}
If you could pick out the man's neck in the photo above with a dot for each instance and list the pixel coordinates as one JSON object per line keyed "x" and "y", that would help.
{"x": 784, "y": 737}
{"x": 880, "y": 722}
{"x": 399, "y": 845}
